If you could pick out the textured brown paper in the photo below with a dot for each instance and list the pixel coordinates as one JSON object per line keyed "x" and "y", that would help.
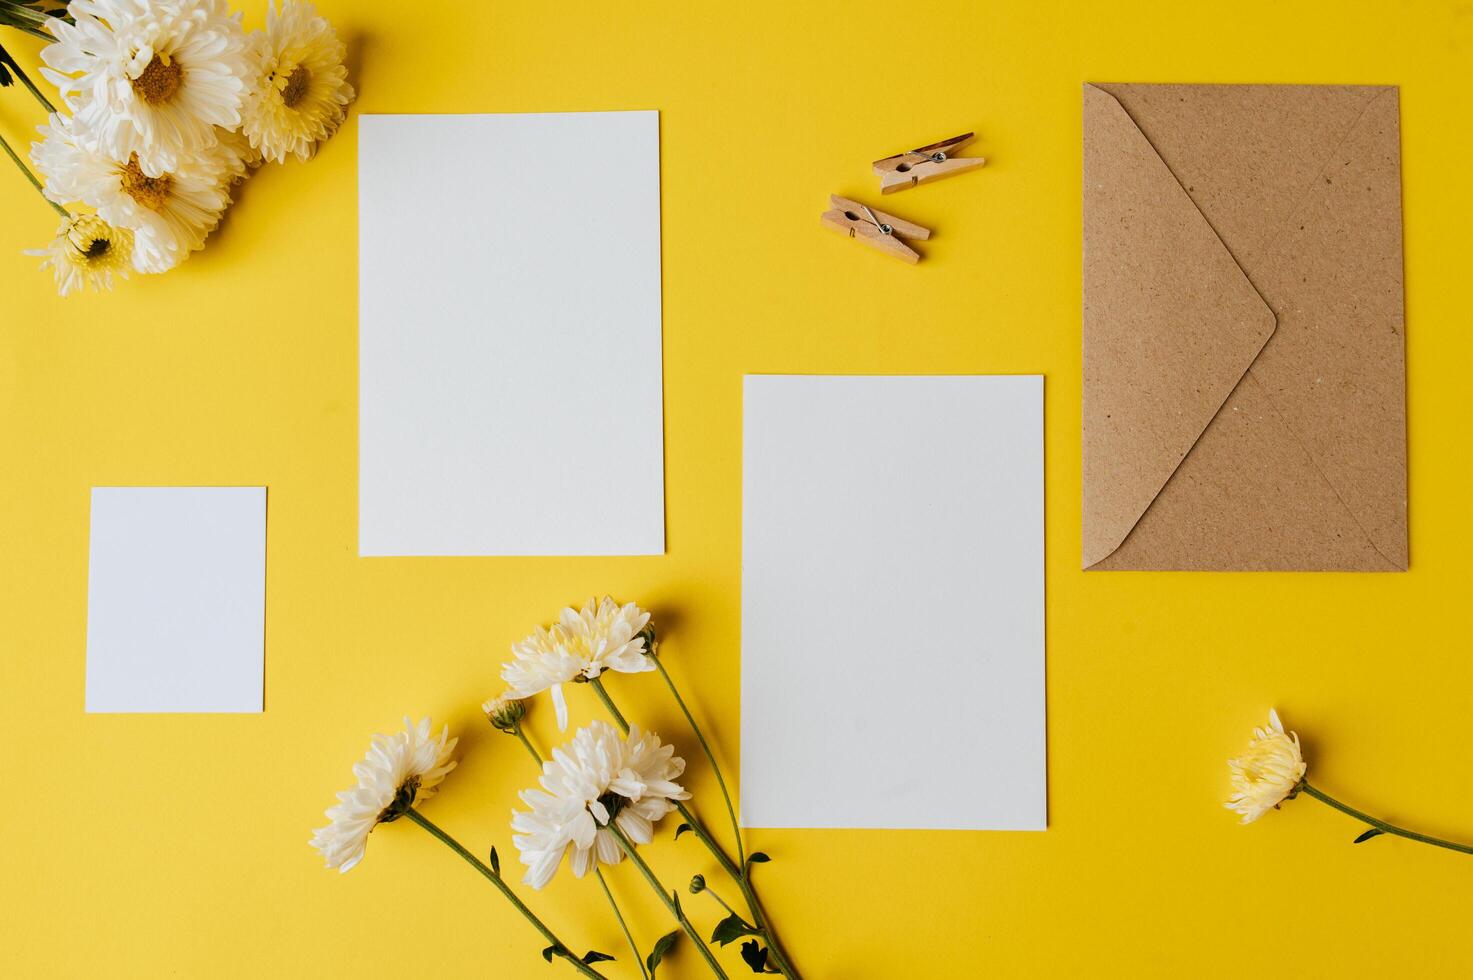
{"x": 1244, "y": 377}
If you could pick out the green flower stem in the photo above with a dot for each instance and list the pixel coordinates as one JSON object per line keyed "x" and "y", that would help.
{"x": 722, "y": 902}
{"x": 736, "y": 830}
{"x": 737, "y": 874}
{"x": 536, "y": 756}
{"x": 628, "y": 936}
{"x": 1382, "y": 825}
{"x": 759, "y": 914}
{"x": 511, "y": 897}
{"x": 32, "y": 22}
{"x": 597, "y": 683}
{"x": 25, "y": 80}
{"x": 667, "y": 898}
{"x": 32, "y": 178}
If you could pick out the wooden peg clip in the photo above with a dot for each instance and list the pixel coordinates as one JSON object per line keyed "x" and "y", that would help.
{"x": 875, "y": 228}
{"x": 925, "y": 164}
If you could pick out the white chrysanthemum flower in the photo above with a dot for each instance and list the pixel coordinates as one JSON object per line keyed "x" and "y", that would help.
{"x": 399, "y": 771}
{"x": 170, "y": 214}
{"x": 87, "y": 251}
{"x": 301, "y": 92}
{"x": 582, "y": 644}
{"x": 150, "y": 78}
{"x": 1268, "y": 772}
{"x": 595, "y": 778}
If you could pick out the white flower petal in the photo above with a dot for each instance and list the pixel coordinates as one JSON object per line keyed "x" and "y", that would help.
{"x": 1267, "y": 772}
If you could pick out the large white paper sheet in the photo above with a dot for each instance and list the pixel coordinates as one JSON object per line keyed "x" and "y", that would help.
{"x": 510, "y": 398}
{"x": 176, "y": 599}
{"x": 892, "y": 603}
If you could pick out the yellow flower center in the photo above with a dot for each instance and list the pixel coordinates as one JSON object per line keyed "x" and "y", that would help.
{"x": 296, "y": 86}
{"x": 151, "y": 192}
{"x": 158, "y": 81}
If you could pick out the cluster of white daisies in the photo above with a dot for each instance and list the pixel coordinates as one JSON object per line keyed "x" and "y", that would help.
{"x": 599, "y": 796}
{"x": 601, "y": 777}
{"x": 171, "y": 103}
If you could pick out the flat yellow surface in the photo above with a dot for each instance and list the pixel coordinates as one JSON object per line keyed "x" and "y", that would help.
{"x": 176, "y": 846}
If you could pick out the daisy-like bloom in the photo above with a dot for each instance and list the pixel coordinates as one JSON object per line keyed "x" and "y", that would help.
{"x": 1268, "y": 772}
{"x": 301, "y": 91}
{"x": 399, "y": 771}
{"x": 505, "y": 713}
{"x": 596, "y": 778}
{"x": 87, "y": 252}
{"x": 150, "y": 79}
{"x": 170, "y": 213}
{"x": 581, "y": 645}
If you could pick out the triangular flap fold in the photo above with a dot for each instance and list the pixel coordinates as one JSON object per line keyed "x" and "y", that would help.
{"x": 1170, "y": 324}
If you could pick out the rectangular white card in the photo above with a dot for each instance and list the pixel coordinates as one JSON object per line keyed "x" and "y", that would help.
{"x": 892, "y": 603}
{"x": 176, "y": 599}
{"x": 510, "y": 398}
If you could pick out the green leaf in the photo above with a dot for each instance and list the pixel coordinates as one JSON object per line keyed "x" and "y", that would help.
{"x": 594, "y": 956}
{"x": 1373, "y": 832}
{"x": 731, "y": 927}
{"x": 663, "y": 946}
{"x": 755, "y": 956}
{"x": 5, "y": 62}
{"x": 495, "y": 863}
{"x": 758, "y": 857}
{"x": 681, "y": 829}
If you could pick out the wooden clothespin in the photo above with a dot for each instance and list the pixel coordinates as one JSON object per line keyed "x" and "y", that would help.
{"x": 925, "y": 163}
{"x": 875, "y": 228}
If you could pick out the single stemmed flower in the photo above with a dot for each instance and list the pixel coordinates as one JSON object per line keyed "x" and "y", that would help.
{"x": 1271, "y": 771}
{"x": 579, "y": 647}
{"x": 601, "y": 794}
{"x": 398, "y": 773}
{"x": 87, "y": 252}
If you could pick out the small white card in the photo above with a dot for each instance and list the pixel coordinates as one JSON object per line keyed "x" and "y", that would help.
{"x": 892, "y": 603}
{"x": 510, "y": 398}
{"x": 176, "y": 599}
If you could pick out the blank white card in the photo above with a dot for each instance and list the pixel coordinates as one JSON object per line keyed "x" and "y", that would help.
{"x": 176, "y": 599}
{"x": 510, "y": 397}
{"x": 892, "y": 603}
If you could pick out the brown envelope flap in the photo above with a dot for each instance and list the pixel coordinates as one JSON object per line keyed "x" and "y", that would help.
{"x": 1171, "y": 324}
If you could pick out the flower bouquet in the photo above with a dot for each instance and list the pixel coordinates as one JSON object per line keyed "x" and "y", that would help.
{"x": 169, "y": 104}
{"x": 599, "y": 801}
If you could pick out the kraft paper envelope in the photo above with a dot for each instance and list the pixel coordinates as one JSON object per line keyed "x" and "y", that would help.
{"x": 1244, "y": 382}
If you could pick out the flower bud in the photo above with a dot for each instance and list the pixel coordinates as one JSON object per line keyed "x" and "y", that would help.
{"x": 648, "y": 635}
{"x": 505, "y": 714}
{"x": 697, "y": 884}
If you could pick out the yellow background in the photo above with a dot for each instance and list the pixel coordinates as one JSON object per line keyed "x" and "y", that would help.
{"x": 137, "y": 846}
